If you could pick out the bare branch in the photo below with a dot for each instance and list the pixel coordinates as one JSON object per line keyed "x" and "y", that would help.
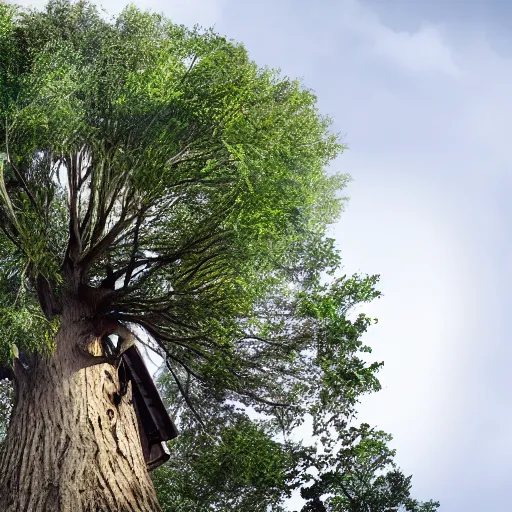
{"x": 135, "y": 249}
{"x": 75, "y": 243}
{"x": 185, "y": 395}
{"x": 191, "y": 66}
{"x": 90, "y": 256}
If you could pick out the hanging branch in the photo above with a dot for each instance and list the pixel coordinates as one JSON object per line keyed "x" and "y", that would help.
{"x": 186, "y": 396}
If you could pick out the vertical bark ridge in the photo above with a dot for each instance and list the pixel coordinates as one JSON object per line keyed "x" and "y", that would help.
{"x": 68, "y": 447}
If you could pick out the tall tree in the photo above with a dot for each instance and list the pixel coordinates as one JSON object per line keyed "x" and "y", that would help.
{"x": 153, "y": 181}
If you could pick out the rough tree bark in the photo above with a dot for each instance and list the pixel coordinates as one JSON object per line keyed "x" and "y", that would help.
{"x": 69, "y": 447}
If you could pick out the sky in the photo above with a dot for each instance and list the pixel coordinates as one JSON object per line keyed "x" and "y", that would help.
{"x": 421, "y": 93}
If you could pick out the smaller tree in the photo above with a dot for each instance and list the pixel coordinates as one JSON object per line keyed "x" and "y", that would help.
{"x": 235, "y": 454}
{"x": 361, "y": 476}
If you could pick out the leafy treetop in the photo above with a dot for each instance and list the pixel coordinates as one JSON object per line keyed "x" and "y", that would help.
{"x": 158, "y": 176}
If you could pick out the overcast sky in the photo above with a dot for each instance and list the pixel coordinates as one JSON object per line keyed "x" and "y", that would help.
{"x": 422, "y": 91}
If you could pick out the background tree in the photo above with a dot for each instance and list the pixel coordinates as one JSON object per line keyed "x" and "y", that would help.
{"x": 361, "y": 476}
{"x": 230, "y": 458}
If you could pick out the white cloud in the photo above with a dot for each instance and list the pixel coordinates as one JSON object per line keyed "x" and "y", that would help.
{"x": 423, "y": 51}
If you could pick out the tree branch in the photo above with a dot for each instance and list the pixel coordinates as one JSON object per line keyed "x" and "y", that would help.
{"x": 90, "y": 256}
{"x": 185, "y": 395}
{"x": 75, "y": 242}
{"x": 135, "y": 248}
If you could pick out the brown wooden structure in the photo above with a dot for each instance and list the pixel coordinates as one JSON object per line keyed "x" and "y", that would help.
{"x": 155, "y": 425}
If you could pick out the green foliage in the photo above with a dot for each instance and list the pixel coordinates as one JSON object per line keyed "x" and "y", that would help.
{"x": 26, "y": 329}
{"x": 361, "y": 475}
{"x": 235, "y": 466}
{"x": 162, "y": 158}
{"x": 21, "y": 321}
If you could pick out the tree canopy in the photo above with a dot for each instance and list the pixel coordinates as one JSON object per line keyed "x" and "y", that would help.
{"x": 159, "y": 177}
{"x": 161, "y": 167}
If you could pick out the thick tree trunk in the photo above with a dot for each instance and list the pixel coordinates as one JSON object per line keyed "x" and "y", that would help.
{"x": 69, "y": 447}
